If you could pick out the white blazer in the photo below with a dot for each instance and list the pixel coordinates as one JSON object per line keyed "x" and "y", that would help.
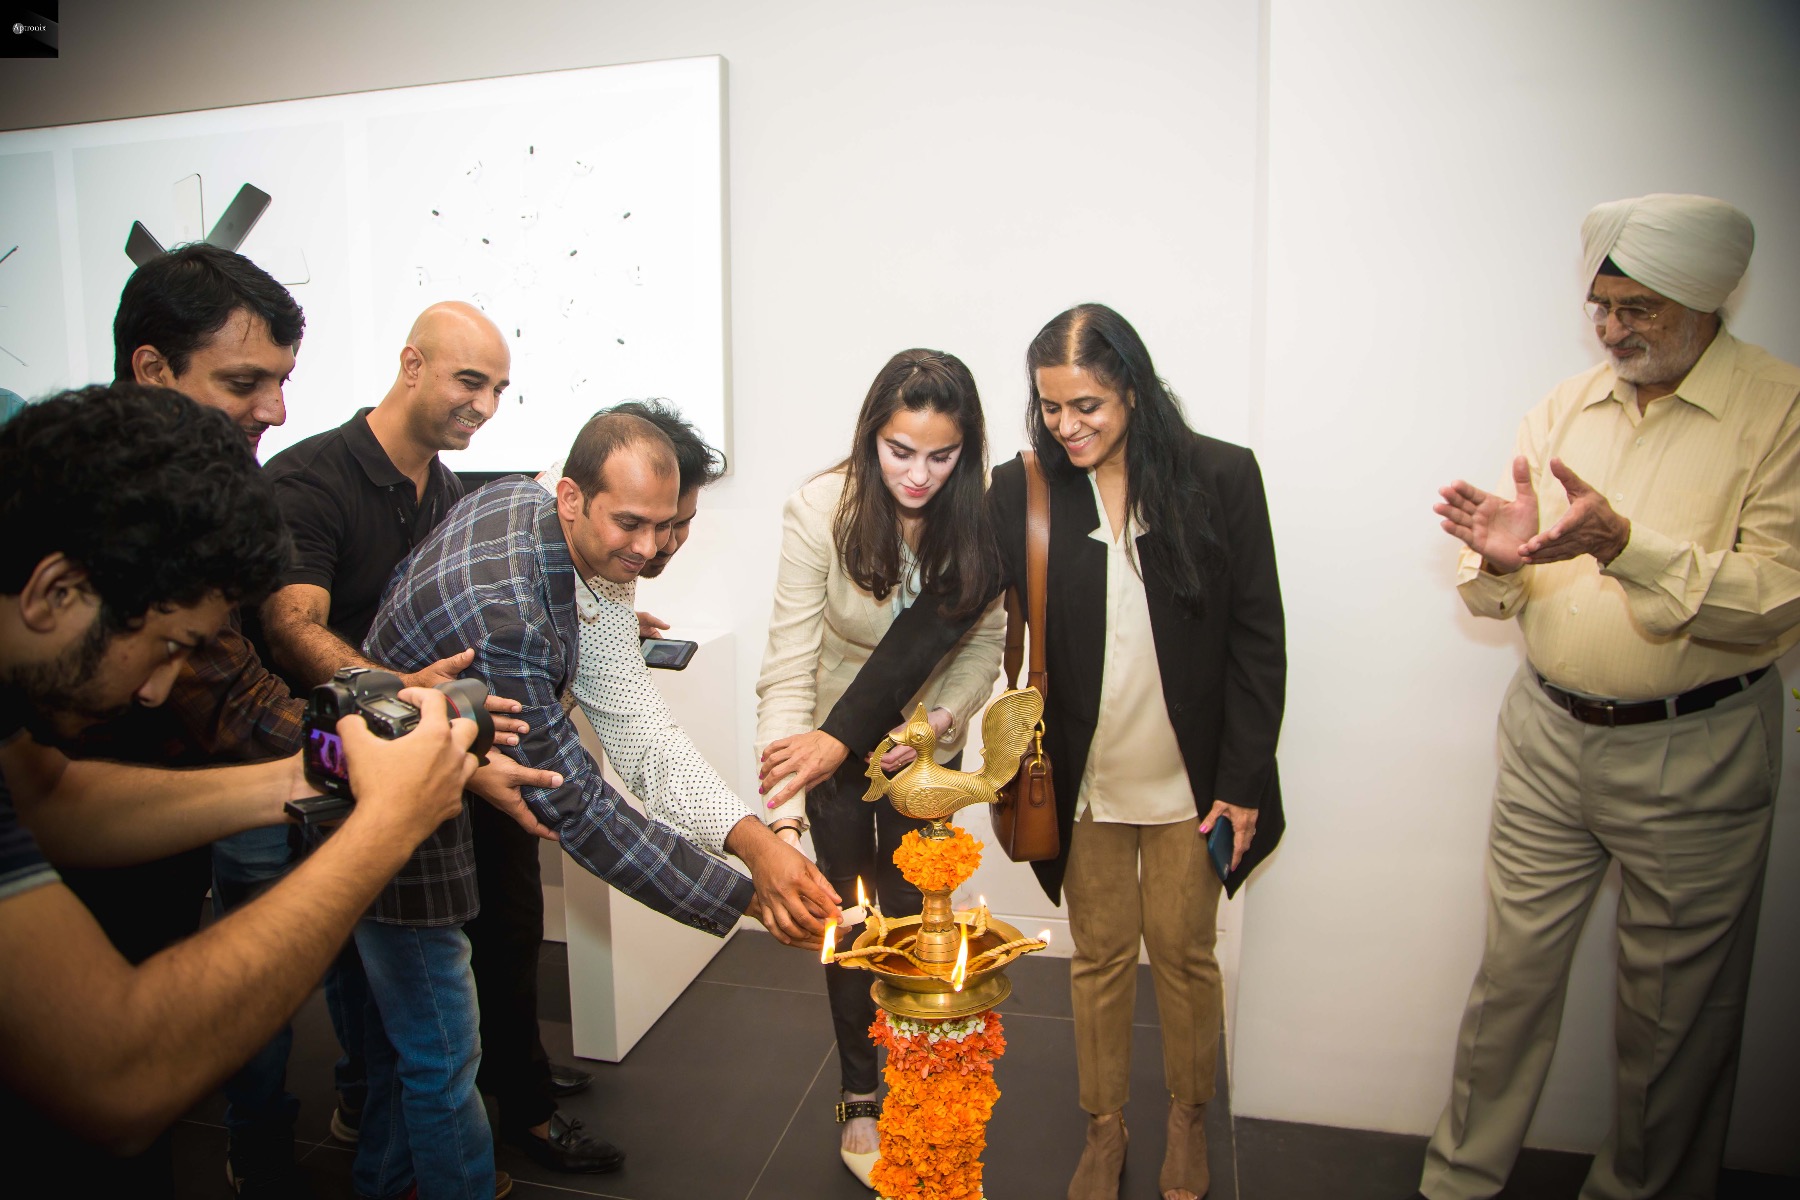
{"x": 824, "y": 627}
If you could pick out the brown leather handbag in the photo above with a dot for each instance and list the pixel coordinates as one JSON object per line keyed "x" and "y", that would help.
{"x": 1025, "y": 813}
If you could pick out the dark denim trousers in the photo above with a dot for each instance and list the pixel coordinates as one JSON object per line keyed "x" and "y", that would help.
{"x": 423, "y": 1122}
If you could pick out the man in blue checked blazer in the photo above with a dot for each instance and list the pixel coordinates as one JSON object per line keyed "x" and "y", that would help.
{"x": 501, "y": 574}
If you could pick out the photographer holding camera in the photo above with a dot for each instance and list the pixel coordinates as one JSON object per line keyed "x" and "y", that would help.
{"x": 211, "y": 324}
{"x": 136, "y": 520}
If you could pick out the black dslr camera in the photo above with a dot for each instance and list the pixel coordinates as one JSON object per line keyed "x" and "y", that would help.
{"x": 374, "y": 696}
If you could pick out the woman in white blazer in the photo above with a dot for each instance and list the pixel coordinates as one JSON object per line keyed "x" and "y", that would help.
{"x": 899, "y": 521}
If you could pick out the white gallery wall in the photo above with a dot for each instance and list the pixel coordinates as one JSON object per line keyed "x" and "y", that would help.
{"x": 1429, "y": 166}
{"x": 583, "y": 209}
{"x": 943, "y": 175}
{"x": 1348, "y": 233}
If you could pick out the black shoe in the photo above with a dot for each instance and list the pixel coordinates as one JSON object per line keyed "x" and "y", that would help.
{"x": 568, "y": 1148}
{"x": 568, "y": 1081}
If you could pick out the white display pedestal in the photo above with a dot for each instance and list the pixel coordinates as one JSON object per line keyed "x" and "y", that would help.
{"x": 628, "y": 963}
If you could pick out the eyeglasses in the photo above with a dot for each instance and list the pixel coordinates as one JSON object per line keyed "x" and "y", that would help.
{"x": 1636, "y": 317}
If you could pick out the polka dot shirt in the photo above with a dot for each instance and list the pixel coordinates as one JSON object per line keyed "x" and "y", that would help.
{"x": 657, "y": 760}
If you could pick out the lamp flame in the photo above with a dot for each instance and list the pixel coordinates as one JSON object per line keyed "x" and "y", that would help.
{"x": 959, "y": 974}
{"x": 829, "y": 951}
{"x": 1044, "y": 937}
{"x": 862, "y": 895}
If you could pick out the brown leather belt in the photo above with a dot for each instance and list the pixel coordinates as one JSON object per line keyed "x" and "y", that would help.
{"x": 1642, "y": 712}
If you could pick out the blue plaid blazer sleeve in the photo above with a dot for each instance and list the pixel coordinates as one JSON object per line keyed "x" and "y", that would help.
{"x": 496, "y": 576}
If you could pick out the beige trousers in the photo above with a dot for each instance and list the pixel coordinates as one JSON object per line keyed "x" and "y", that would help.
{"x": 1684, "y": 805}
{"x": 1154, "y": 882}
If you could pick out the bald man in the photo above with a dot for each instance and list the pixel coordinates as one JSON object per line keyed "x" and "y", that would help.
{"x": 358, "y": 498}
{"x": 1650, "y": 553}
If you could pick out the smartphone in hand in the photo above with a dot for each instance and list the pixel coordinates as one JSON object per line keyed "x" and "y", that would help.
{"x": 1219, "y": 845}
{"x": 671, "y": 654}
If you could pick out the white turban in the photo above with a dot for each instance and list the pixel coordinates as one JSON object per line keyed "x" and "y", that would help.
{"x": 1692, "y": 249}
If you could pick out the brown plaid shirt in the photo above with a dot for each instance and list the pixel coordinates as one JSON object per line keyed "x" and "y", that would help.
{"x": 225, "y": 707}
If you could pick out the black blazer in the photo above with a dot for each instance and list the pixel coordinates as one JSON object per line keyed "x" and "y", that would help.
{"x": 1224, "y": 671}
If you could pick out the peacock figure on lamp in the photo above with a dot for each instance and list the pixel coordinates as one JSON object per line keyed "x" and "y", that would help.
{"x": 929, "y": 791}
{"x": 938, "y": 974}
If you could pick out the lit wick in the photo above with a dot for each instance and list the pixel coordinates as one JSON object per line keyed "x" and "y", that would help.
{"x": 959, "y": 974}
{"x": 829, "y": 951}
{"x": 850, "y": 918}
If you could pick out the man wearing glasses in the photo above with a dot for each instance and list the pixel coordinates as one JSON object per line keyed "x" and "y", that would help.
{"x": 1651, "y": 553}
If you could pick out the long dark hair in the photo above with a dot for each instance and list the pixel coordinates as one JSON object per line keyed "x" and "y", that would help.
{"x": 958, "y": 560}
{"x": 1163, "y": 493}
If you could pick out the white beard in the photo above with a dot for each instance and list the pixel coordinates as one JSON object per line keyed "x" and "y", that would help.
{"x": 1670, "y": 365}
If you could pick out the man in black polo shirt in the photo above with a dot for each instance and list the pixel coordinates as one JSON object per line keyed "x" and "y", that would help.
{"x": 357, "y": 500}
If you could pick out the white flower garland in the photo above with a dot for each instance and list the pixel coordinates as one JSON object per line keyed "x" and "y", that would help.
{"x": 938, "y": 1031}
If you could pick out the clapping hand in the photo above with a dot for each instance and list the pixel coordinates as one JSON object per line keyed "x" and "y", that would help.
{"x": 1494, "y": 528}
{"x": 1505, "y": 532}
{"x": 1591, "y": 526}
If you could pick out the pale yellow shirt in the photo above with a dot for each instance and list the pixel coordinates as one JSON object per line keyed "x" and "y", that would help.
{"x": 1135, "y": 774}
{"x": 1708, "y": 586}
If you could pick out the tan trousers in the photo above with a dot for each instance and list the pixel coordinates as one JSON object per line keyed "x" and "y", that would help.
{"x": 1126, "y": 882}
{"x": 1684, "y": 805}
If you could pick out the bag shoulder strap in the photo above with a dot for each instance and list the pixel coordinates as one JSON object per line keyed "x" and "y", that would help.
{"x": 1037, "y": 577}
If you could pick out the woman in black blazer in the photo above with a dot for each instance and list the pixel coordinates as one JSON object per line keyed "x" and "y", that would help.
{"x": 1162, "y": 572}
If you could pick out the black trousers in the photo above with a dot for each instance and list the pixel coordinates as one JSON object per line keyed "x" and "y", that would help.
{"x": 504, "y": 939}
{"x": 142, "y": 909}
{"x": 146, "y": 907}
{"x": 854, "y": 838}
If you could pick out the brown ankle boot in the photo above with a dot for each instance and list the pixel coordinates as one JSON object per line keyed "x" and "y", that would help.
{"x": 1184, "y": 1162}
{"x": 1102, "y": 1159}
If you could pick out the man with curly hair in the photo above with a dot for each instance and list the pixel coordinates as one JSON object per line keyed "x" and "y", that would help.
{"x": 136, "y": 521}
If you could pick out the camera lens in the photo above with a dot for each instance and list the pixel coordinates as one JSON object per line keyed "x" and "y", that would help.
{"x": 468, "y": 698}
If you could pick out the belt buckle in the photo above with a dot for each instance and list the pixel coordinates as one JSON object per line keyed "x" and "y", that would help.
{"x": 1593, "y": 712}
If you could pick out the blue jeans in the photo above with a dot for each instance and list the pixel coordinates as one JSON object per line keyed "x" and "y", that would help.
{"x": 257, "y": 1102}
{"x": 423, "y": 1122}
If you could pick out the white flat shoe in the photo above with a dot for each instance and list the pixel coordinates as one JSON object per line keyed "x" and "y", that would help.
{"x": 860, "y": 1164}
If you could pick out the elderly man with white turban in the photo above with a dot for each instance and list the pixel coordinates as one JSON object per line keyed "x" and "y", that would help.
{"x": 1651, "y": 554}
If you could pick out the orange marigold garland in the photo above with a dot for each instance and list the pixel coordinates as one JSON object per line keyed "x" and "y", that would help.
{"x": 941, "y": 1092}
{"x": 938, "y": 864}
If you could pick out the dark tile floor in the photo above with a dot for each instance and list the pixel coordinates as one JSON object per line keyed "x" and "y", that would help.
{"x": 730, "y": 1096}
